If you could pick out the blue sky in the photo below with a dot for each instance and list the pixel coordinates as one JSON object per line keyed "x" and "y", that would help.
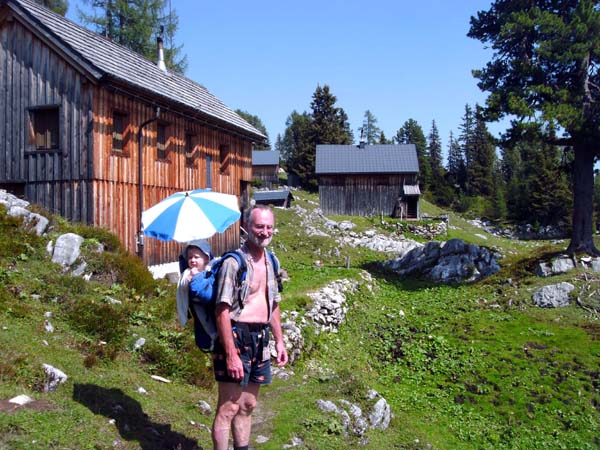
{"x": 399, "y": 59}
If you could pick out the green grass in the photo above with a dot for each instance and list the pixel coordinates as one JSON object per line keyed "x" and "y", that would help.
{"x": 473, "y": 366}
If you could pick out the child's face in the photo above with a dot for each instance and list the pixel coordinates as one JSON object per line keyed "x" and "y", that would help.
{"x": 196, "y": 259}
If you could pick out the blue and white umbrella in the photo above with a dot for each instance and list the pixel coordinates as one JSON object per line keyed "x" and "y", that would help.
{"x": 189, "y": 215}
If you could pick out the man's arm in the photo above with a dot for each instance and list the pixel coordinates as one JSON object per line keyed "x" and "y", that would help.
{"x": 235, "y": 369}
{"x": 282, "y": 356}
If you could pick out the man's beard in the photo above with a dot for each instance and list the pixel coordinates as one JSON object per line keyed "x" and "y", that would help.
{"x": 262, "y": 243}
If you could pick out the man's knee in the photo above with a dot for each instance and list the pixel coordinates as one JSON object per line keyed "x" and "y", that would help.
{"x": 228, "y": 410}
{"x": 247, "y": 405}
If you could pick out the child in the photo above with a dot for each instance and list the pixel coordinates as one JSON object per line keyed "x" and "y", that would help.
{"x": 192, "y": 262}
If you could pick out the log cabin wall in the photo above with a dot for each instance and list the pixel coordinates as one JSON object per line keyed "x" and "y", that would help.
{"x": 361, "y": 195}
{"x": 34, "y": 79}
{"x": 215, "y": 159}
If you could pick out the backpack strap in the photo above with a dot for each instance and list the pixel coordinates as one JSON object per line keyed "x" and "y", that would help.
{"x": 275, "y": 263}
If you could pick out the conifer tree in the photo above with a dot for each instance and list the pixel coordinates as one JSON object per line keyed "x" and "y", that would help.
{"x": 135, "y": 24}
{"x": 329, "y": 123}
{"x": 457, "y": 174}
{"x": 370, "y": 132}
{"x": 256, "y": 123}
{"x": 466, "y": 136}
{"x": 546, "y": 66}
{"x": 297, "y": 148}
{"x": 434, "y": 149}
{"x": 383, "y": 139}
{"x": 58, "y": 6}
{"x": 480, "y": 169}
{"x": 412, "y": 133}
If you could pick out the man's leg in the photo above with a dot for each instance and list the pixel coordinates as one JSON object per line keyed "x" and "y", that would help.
{"x": 227, "y": 408}
{"x": 242, "y": 422}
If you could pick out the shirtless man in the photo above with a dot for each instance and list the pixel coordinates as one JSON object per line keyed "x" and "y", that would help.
{"x": 242, "y": 357}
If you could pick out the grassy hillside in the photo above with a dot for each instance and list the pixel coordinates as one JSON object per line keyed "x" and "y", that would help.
{"x": 471, "y": 366}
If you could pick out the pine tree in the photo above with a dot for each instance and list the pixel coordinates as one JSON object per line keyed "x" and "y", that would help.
{"x": 480, "y": 170}
{"x": 466, "y": 138}
{"x": 412, "y": 133}
{"x": 370, "y": 132}
{"x": 545, "y": 65}
{"x": 297, "y": 149}
{"x": 135, "y": 24}
{"x": 434, "y": 149}
{"x": 457, "y": 174}
{"x": 383, "y": 140}
{"x": 58, "y": 6}
{"x": 256, "y": 123}
{"x": 330, "y": 123}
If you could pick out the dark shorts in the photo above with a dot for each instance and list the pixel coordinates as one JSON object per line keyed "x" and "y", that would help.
{"x": 252, "y": 343}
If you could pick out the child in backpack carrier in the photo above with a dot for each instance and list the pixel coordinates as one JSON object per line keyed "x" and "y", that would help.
{"x": 193, "y": 262}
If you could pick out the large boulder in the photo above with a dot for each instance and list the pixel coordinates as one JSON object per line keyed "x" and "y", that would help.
{"x": 553, "y": 296}
{"x": 445, "y": 262}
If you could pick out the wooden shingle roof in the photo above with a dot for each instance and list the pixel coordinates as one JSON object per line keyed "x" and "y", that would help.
{"x": 344, "y": 159}
{"x": 107, "y": 62}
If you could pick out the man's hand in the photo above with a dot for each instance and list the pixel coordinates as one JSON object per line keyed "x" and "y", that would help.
{"x": 282, "y": 356}
{"x": 235, "y": 368}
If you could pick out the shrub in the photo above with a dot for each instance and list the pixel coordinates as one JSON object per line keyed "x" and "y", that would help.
{"x": 124, "y": 268}
{"x": 100, "y": 321}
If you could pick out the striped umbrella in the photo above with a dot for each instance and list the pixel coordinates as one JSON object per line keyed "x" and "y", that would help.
{"x": 189, "y": 215}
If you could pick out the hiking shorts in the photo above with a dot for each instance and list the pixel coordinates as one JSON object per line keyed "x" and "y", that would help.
{"x": 252, "y": 344}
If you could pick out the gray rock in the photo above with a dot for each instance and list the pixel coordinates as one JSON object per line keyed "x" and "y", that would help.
{"x": 204, "y": 407}
{"x": 380, "y": 415}
{"x": 555, "y": 267}
{"x": 553, "y": 296}
{"x": 67, "y": 249}
{"x": 54, "y": 378}
{"x": 327, "y": 406}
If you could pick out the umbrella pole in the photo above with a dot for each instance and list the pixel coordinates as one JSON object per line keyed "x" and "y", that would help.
{"x": 140, "y": 235}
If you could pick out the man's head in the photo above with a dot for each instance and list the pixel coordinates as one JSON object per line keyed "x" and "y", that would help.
{"x": 198, "y": 254}
{"x": 260, "y": 223}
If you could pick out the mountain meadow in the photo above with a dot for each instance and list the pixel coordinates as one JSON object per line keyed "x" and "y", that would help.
{"x": 470, "y": 365}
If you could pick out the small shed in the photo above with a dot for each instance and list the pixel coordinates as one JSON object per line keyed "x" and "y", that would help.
{"x": 265, "y": 167}
{"x": 368, "y": 179}
{"x": 281, "y": 198}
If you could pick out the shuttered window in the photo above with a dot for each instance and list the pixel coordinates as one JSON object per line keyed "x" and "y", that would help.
{"x": 161, "y": 141}
{"x": 189, "y": 149}
{"x": 45, "y": 128}
{"x": 118, "y": 132}
{"x": 225, "y": 159}
{"x": 208, "y": 171}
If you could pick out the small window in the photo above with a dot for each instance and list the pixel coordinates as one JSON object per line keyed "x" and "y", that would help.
{"x": 225, "y": 159}
{"x": 189, "y": 150}
{"x": 45, "y": 128}
{"x": 208, "y": 171}
{"x": 118, "y": 132}
{"x": 161, "y": 141}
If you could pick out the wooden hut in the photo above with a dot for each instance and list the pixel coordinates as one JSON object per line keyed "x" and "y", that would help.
{"x": 97, "y": 133}
{"x": 368, "y": 179}
{"x": 265, "y": 167}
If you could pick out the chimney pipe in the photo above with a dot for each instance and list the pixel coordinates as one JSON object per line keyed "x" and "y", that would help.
{"x": 161, "y": 53}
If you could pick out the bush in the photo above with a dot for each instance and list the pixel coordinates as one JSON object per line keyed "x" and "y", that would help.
{"x": 123, "y": 268}
{"x": 101, "y": 322}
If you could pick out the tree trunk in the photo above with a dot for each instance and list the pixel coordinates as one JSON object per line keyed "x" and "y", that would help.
{"x": 583, "y": 201}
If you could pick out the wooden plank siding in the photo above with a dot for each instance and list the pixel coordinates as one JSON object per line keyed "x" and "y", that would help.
{"x": 33, "y": 75}
{"x": 267, "y": 174}
{"x": 116, "y": 174}
{"x": 361, "y": 195}
{"x": 84, "y": 179}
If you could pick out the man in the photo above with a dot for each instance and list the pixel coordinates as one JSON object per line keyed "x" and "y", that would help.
{"x": 244, "y": 319}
